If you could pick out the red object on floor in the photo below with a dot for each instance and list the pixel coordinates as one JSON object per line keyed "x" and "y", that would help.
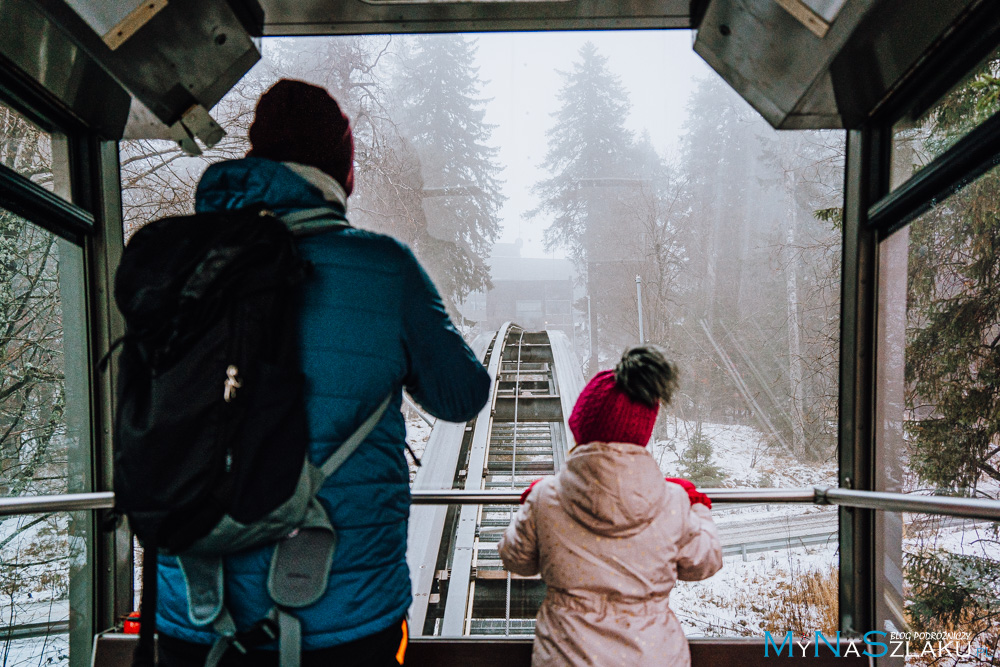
{"x": 132, "y": 624}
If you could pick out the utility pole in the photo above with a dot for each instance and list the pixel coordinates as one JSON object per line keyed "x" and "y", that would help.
{"x": 638, "y": 296}
{"x": 590, "y": 330}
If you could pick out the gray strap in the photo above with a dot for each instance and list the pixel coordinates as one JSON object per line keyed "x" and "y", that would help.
{"x": 300, "y": 567}
{"x": 203, "y": 579}
{"x": 344, "y": 452}
{"x": 289, "y": 640}
{"x": 225, "y": 627}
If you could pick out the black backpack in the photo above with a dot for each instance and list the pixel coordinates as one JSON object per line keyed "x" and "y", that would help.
{"x": 211, "y": 434}
{"x": 208, "y": 377}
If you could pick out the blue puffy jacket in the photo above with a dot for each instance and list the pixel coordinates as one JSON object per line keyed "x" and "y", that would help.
{"x": 371, "y": 322}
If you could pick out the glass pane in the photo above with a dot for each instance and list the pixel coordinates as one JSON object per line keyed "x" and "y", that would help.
{"x": 917, "y": 142}
{"x": 780, "y": 573}
{"x": 536, "y": 176}
{"x": 26, "y": 148}
{"x": 732, "y": 227}
{"x": 939, "y": 433}
{"x": 44, "y": 443}
{"x": 46, "y": 589}
{"x": 952, "y": 571}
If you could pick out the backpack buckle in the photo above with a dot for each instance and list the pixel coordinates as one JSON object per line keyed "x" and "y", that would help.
{"x": 232, "y": 383}
{"x": 263, "y": 631}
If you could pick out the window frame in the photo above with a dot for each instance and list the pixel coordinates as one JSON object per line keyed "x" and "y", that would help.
{"x": 872, "y": 213}
{"x": 90, "y": 220}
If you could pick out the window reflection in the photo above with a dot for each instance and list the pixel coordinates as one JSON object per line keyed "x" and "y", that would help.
{"x": 26, "y": 148}
{"x": 43, "y": 390}
{"x": 938, "y": 425}
{"x": 917, "y": 142}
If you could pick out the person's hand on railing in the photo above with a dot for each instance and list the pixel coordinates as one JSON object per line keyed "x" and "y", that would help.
{"x": 524, "y": 494}
{"x": 694, "y": 495}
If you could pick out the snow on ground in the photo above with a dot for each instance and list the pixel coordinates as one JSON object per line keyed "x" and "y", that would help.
{"x": 745, "y": 456}
{"x": 770, "y": 589}
{"x": 36, "y": 552}
{"x": 37, "y": 652}
{"x": 740, "y": 599}
{"x": 785, "y": 588}
{"x": 417, "y": 433}
{"x": 970, "y": 537}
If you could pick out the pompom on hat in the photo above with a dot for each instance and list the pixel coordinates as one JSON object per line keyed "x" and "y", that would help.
{"x": 298, "y": 122}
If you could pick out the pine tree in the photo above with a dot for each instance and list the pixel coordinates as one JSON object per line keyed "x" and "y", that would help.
{"x": 696, "y": 462}
{"x": 727, "y": 283}
{"x": 952, "y": 374}
{"x": 442, "y": 114}
{"x": 953, "y": 346}
{"x": 587, "y": 141}
{"x": 591, "y": 159}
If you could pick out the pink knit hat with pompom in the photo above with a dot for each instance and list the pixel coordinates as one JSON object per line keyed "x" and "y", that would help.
{"x": 603, "y": 413}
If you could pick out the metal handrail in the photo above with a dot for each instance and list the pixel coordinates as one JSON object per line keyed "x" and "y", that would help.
{"x": 66, "y": 502}
{"x": 973, "y": 508}
{"x": 488, "y": 497}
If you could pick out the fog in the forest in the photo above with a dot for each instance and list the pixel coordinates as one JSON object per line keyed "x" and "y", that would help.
{"x": 536, "y": 176}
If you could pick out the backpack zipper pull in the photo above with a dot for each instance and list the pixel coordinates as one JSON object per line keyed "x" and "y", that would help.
{"x": 232, "y": 383}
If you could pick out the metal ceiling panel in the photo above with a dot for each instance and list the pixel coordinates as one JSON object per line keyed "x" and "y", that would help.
{"x": 891, "y": 43}
{"x": 46, "y": 59}
{"x": 776, "y": 59}
{"x": 176, "y": 58}
{"x": 344, "y": 17}
{"x": 812, "y": 64}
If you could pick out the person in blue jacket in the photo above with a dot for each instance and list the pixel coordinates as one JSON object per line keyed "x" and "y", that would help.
{"x": 371, "y": 321}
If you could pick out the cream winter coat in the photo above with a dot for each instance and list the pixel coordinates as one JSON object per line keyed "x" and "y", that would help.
{"x": 610, "y": 538}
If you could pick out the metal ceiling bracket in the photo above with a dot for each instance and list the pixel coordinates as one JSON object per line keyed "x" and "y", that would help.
{"x": 196, "y": 123}
{"x": 805, "y": 15}
{"x": 180, "y": 134}
{"x": 129, "y": 25}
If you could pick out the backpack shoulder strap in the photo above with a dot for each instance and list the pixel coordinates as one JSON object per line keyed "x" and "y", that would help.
{"x": 344, "y": 452}
{"x": 300, "y": 564}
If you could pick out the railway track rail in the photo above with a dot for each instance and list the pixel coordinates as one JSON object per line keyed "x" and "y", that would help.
{"x": 460, "y": 586}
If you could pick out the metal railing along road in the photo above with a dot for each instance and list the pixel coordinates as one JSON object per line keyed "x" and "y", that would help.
{"x": 973, "y": 508}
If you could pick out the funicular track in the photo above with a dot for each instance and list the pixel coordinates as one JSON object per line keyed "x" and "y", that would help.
{"x": 460, "y": 586}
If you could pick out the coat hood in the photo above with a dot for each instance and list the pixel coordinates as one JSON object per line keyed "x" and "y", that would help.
{"x": 613, "y": 489}
{"x": 282, "y": 187}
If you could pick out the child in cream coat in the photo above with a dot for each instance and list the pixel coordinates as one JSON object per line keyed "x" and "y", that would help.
{"x": 609, "y": 536}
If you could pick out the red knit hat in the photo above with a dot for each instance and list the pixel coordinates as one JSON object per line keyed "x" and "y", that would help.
{"x": 603, "y": 413}
{"x": 299, "y": 122}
